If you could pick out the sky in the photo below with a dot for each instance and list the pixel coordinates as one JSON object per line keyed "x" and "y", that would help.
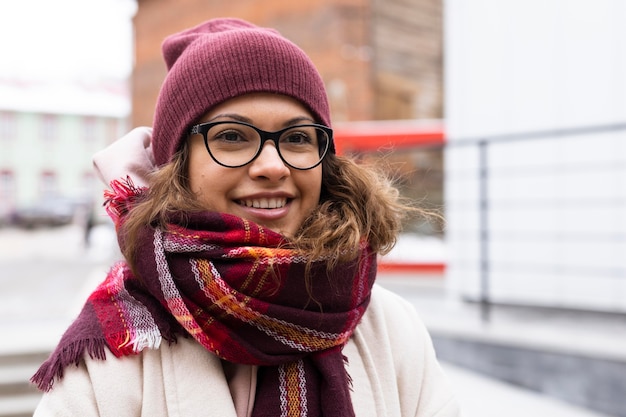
{"x": 66, "y": 39}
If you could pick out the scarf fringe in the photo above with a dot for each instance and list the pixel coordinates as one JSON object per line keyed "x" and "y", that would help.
{"x": 122, "y": 196}
{"x": 53, "y": 368}
{"x": 147, "y": 341}
{"x": 346, "y": 362}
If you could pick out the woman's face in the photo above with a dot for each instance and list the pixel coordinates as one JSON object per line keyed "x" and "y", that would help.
{"x": 266, "y": 191}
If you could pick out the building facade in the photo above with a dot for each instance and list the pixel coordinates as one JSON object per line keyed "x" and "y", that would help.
{"x": 48, "y": 140}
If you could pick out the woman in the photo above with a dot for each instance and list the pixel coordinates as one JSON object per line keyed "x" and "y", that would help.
{"x": 250, "y": 257}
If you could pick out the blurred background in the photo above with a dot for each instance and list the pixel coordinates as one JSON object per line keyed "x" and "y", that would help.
{"x": 506, "y": 116}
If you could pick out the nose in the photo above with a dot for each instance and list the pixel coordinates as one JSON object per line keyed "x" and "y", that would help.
{"x": 269, "y": 164}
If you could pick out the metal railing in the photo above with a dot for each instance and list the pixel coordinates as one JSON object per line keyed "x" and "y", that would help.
{"x": 485, "y": 199}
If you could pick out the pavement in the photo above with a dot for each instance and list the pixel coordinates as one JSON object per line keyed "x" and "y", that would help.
{"x": 481, "y": 396}
{"x": 39, "y": 326}
{"x": 562, "y": 332}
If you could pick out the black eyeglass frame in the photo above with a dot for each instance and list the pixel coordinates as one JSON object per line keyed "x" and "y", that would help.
{"x": 203, "y": 128}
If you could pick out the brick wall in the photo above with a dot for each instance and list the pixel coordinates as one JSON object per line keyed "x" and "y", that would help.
{"x": 379, "y": 60}
{"x": 408, "y": 71}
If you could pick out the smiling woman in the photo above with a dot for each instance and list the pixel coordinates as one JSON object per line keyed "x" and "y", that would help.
{"x": 248, "y": 285}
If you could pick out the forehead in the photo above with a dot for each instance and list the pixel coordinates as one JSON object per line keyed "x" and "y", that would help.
{"x": 259, "y": 108}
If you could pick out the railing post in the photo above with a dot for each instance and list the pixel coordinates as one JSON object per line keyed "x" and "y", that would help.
{"x": 483, "y": 184}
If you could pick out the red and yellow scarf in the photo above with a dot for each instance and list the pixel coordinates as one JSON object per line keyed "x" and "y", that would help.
{"x": 234, "y": 287}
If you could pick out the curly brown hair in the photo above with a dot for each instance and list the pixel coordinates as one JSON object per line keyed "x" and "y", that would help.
{"x": 357, "y": 203}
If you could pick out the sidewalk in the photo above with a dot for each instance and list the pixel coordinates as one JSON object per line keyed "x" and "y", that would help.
{"x": 486, "y": 397}
{"x": 549, "y": 332}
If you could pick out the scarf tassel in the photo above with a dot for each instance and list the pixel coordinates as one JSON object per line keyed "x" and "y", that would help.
{"x": 348, "y": 376}
{"x": 120, "y": 198}
{"x": 147, "y": 339}
{"x": 53, "y": 368}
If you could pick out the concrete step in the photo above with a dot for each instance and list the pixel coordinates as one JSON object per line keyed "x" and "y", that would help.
{"x": 33, "y": 357}
{"x": 19, "y": 406}
{"x": 14, "y": 379}
{"x": 17, "y": 396}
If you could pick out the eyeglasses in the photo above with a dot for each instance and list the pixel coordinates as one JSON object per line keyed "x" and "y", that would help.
{"x": 235, "y": 144}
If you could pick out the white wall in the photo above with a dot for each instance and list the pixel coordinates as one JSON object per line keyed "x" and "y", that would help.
{"x": 556, "y": 205}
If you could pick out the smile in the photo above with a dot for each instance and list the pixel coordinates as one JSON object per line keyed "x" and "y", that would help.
{"x": 264, "y": 203}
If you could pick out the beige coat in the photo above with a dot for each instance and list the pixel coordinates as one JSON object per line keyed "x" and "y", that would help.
{"x": 391, "y": 361}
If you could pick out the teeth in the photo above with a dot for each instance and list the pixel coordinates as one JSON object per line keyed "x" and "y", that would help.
{"x": 265, "y": 203}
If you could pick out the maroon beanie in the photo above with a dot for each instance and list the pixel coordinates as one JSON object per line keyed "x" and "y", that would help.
{"x": 225, "y": 58}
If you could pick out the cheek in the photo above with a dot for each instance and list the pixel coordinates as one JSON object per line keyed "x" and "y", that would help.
{"x": 318, "y": 188}
{"x": 314, "y": 186}
{"x": 199, "y": 167}
{"x": 202, "y": 178}
{"x": 196, "y": 176}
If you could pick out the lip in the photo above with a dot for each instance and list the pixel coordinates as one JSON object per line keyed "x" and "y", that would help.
{"x": 259, "y": 215}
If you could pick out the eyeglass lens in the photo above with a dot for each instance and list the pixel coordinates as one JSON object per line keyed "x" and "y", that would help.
{"x": 234, "y": 144}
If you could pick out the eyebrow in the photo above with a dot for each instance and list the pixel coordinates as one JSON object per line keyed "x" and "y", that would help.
{"x": 240, "y": 118}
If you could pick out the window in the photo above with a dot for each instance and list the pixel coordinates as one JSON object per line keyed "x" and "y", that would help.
{"x": 90, "y": 131}
{"x": 7, "y": 193}
{"x": 49, "y": 127}
{"x": 89, "y": 184}
{"x": 113, "y": 133}
{"x": 8, "y": 125}
{"x": 48, "y": 184}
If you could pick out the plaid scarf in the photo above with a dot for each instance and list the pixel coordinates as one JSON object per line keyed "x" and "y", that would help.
{"x": 234, "y": 287}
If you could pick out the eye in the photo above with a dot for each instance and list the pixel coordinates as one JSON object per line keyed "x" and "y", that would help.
{"x": 298, "y": 137}
{"x": 230, "y": 136}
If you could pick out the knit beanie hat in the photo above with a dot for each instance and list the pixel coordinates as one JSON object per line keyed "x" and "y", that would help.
{"x": 225, "y": 58}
